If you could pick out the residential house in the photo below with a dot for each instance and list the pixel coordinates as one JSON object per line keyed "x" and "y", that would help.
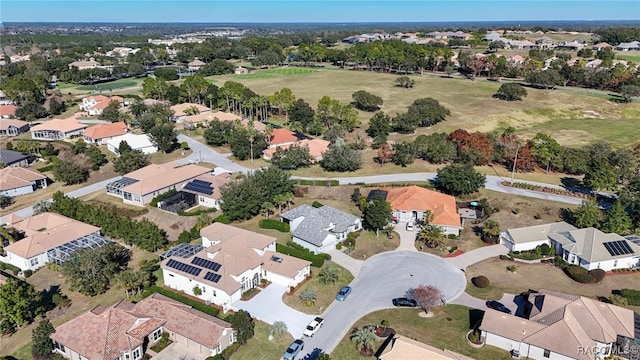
{"x": 206, "y": 187}
{"x": 207, "y": 117}
{"x": 459, "y": 35}
{"x": 8, "y": 111}
{"x": 494, "y": 36}
{"x": 4, "y": 100}
{"x": 49, "y": 237}
{"x": 554, "y": 325}
{"x": 317, "y": 148}
{"x": 125, "y": 330}
{"x": 13, "y": 158}
{"x": 515, "y": 59}
{"x": 19, "y": 58}
{"x": 16, "y": 181}
{"x": 629, "y": 46}
{"x": 140, "y": 142}
{"x": 571, "y": 45}
{"x": 545, "y": 42}
{"x": 320, "y": 229}
{"x": 180, "y": 111}
{"x": 240, "y": 70}
{"x": 58, "y": 129}
{"x": 410, "y": 203}
{"x": 121, "y": 52}
{"x": 225, "y": 116}
{"x": 85, "y": 64}
{"x": 230, "y": 262}
{"x": 141, "y": 186}
{"x": 13, "y": 127}
{"x": 282, "y": 137}
{"x": 94, "y": 105}
{"x": 99, "y": 134}
{"x": 522, "y": 45}
{"x": 589, "y": 248}
{"x": 404, "y": 348}
{"x": 257, "y": 125}
{"x": 600, "y": 46}
{"x": 195, "y": 65}
{"x": 593, "y": 64}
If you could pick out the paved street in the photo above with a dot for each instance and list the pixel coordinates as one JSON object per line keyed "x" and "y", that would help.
{"x": 203, "y": 153}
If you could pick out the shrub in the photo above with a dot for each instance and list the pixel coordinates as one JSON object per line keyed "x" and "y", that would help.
{"x": 184, "y": 145}
{"x": 226, "y": 353}
{"x": 583, "y": 276}
{"x": 317, "y": 204}
{"x": 193, "y": 303}
{"x": 197, "y": 212}
{"x": 155, "y": 200}
{"x": 512, "y": 268}
{"x": 14, "y": 269}
{"x": 274, "y": 224}
{"x": 598, "y": 274}
{"x": 537, "y": 216}
{"x": 222, "y": 219}
{"x": 28, "y": 273}
{"x": 506, "y": 257}
{"x": 480, "y": 281}
{"x": 339, "y": 246}
{"x": 316, "y": 260}
{"x": 632, "y": 296}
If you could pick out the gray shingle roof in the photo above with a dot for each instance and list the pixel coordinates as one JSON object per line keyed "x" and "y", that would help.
{"x": 9, "y": 157}
{"x": 314, "y": 228}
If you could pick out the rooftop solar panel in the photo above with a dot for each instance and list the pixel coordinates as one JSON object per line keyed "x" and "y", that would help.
{"x": 213, "y": 277}
{"x": 199, "y": 186}
{"x": 180, "y": 266}
{"x": 208, "y": 264}
{"x": 617, "y": 248}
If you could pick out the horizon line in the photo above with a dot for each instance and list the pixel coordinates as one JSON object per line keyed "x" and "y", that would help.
{"x": 310, "y": 22}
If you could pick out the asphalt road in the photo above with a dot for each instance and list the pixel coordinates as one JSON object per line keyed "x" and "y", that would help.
{"x": 382, "y": 278}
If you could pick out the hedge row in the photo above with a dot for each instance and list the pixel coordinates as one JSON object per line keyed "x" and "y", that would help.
{"x": 316, "y": 260}
{"x": 197, "y": 212}
{"x": 581, "y": 275}
{"x": 177, "y": 297}
{"x": 633, "y": 296}
{"x": 226, "y": 353}
{"x": 318, "y": 182}
{"x": 274, "y": 224}
{"x": 14, "y": 269}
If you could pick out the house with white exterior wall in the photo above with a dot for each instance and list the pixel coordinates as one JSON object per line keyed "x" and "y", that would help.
{"x": 232, "y": 261}
{"x": 94, "y": 105}
{"x": 320, "y": 229}
{"x": 207, "y": 188}
{"x": 99, "y": 134}
{"x": 15, "y": 181}
{"x": 553, "y": 325}
{"x": 140, "y": 142}
{"x": 58, "y": 129}
{"x": 13, "y": 127}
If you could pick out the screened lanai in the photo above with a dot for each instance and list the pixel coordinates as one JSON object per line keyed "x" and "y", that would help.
{"x": 62, "y": 253}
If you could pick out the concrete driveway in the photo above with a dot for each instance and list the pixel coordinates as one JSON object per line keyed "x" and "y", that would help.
{"x": 267, "y": 306}
{"x": 382, "y": 278}
{"x": 177, "y": 351}
{"x": 477, "y": 255}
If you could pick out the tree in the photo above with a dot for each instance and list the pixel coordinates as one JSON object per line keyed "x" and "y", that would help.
{"x": 167, "y": 74}
{"x": 19, "y": 304}
{"x": 96, "y": 157}
{"x": 385, "y": 153}
{"x": 243, "y": 324}
{"x": 41, "y": 206}
{"x": 70, "y": 171}
{"x": 216, "y": 67}
{"x": 545, "y": 149}
{"x": 405, "y": 82}
{"x": 129, "y": 160}
{"x": 194, "y": 88}
{"x": 435, "y": 148}
{"x": 78, "y": 147}
{"x": 460, "y": 179}
{"x": 111, "y": 112}
{"x": 41, "y": 344}
{"x": 616, "y": 220}
{"x": 56, "y": 108}
{"x": 403, "y": 153}
{"x": 427, "y": 296}
{"x": 292, "y": 158}
{"x": 364, "y": 339}
{"x": 218, "y": 132}
{"x": 329, "y": 275}
{"x": 197, "y": 291}
{"x": 164, "y": 136}
{"x": 379, "y": 125}
{"x": 599, "y": 173}
{"x": 586, "y": 215}
{"x": 341, "y": 158}
{"x": 301, "y": 115}
{"x": 246, "y": 143}
{"x": 5, "y": 200}
{"x": 278, "y": 329}
{"x": 511, "y": 92}
{"x": 90, "y": 271}
{"x": 308, "y": 297}
{"x": 133, "y": 282}
{"x": 432, "y": 236}
{"x": 427, "y": 112}
{"x": 628, "y": 92}
{"x": 266, "y": 209}
{"x": 377, "y": 214}
{"x": 491, "y": 229}
{"x": 585, "y": 53}
{"x": 366, "y": 101}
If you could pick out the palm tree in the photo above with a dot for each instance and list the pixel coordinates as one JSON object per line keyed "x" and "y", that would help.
{"x": 280, "y": 200}
{"x": 278, "y": 329}
{"x": 329, "y": 275}
{"x": 7, "y": 234}
{"x": 432, "y": 236}
{"x": 290, "y": 198}
{"x": 308, "y": 296}
{"x": 266, "y": 209}
{"x": 363, "y": 338}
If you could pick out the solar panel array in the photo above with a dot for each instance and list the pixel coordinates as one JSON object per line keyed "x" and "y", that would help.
{"x": 192, "y": 270}
{"x": 213, "y": 277}
{"x": 200, "y": 186}
{"x": 208, "y": 264}
{"x": 619, "y": 247}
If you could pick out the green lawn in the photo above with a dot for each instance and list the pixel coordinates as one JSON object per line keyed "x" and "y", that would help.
{"x": 260, "y": 347}
{"x": 118, "y": 84}
{"x": 325, "y": 293}
{"x": 635, "y": 57}
{"x": 446, "y": 330}
{"x": 290, "y": 71}
{"x": 253, "y": 76}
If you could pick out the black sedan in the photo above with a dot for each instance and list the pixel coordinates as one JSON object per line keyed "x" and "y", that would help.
{"x": 404, "y": 302}
{"x": 496, "y": 305}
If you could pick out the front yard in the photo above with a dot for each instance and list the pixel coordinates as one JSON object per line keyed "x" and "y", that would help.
{"x": 325, "y": 293}
{"x": 260, "y": 347}
{"x": 446, "y": 330}
{"x": 368, "y": 244}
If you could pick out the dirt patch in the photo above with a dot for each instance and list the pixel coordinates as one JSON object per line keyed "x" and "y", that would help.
{"x": 172, "y": 224}
{"x": 590, "y": 114}
{"x": 455, "y": 253}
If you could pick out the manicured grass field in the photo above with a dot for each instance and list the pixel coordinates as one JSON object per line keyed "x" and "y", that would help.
{"x": 253, "y": 76}
{"x": 260, "y": 347}
{"x": 118, "y": 84}
{"x": 325, "y": 293}
{"x": 290, "y": 71}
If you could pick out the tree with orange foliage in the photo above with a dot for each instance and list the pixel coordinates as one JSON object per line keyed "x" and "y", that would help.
{"x": 385, "y": 153}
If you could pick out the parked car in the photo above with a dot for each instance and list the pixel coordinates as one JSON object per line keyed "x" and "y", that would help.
{"x": 406, "y": 302}
{"x": 313, "y": 326}
{"x": 410, "y": 226}
{"x": 496, "y": 305}
{"x": 343, "y": 293}
{"x": 293, "y": 350}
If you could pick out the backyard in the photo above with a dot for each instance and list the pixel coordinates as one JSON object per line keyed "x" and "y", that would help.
{"x": 325, "y": 293}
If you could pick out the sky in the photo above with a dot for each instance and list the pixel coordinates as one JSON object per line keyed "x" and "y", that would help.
{"x": 227, "y": 11}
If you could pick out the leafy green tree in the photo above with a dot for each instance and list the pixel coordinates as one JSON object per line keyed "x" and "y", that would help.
{"x": 587, "y": 215}
{"x": 600, "y": 173}
{"x": 427, "y": 112}
{"x": 30, "y": 111}
{"x": 111, "y": 112}
{"x": 56, "y": 108}
{"x": 243, "y": 324}
{"x": 96, "y": 157}
{"x": 167, "y": 74}
{"x": 91, "y": 271}
{"x": 379, "y": 125}
{"x": 5, "y": 200}
{"x": 491, "y": 228}
{"x": 628, "y": 92}
{"x": 432, "y": 236}
{"x": 435, "y": 148}
{"x": 246, "y": 143}
{"x": 341, "y": 158}
{"x": 278, "y": 329}
{"x": 133, "y": 282}
{"x": 70, "y": 171}
{"x": 329, "y": 275}
{"x": 164, "y": 136}
{"x": 460, "y": 179}
{"x": 284, "y": 100}
{"x": 366, "y": 101}
{"x": 585, "y": 53}
{"x": 129, "y": 160}
{"x": 403, "y": 153}
{"x": 545, "y": 149}
{"x": 78, "y": 147}
{"x": 405, "y": 82}
{"x": 41, "y": 344}
{"x": 218, "y": 133}
{"x": 616, "y": 220}
{"x": 216, "y": 67}
{"x": 292, "y": 158}
{"x": 194, "y": 88}
{"x": 377, "y": 214}
{"x": 19, "y": 304}
{"x": 511, "y": 92}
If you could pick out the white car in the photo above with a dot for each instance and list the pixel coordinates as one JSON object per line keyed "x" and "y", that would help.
{"x": 410, "y": 226}
{"x": 313, "y": 326}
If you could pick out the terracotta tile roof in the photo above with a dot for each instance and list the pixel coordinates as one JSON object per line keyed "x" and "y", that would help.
{"x": 179, "y": 109}
{"x": 410, "y": 198}
{"x": 46, "y": 231}
{"x": 216, "y": 181}
{"x": 257, "y": 125}
{"x": 156, "y": 177}
{"x": 225, "y": 116}
{"x": 15, "y": 177}
{"x": 317, "y": 147}
{"x": 5, "y": 123}
{"x": 403, "y": 348}
{"x": 6, "y": 110}
{"x": 102, "y": 131}
{"x": 65, "y": 126}
{"x": 283, "y": 136}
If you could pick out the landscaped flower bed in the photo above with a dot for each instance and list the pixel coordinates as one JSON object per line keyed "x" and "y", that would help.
{"x": 547, "y": 190}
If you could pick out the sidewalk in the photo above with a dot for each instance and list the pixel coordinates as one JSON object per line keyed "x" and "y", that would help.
{"x": 474, "y": 256}
{"x": 346, "y": 261}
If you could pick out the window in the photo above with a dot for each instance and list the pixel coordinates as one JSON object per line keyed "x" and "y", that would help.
{"x": 547, "y": 353}
{"x": 136, "y": 354}
{"x": 136, "y": 198}
{"x": 201, "y": 199}
{"x": 126, "y": 196}
{"x": 34, "y": 261}
{"x": 157, "y": 335}
{"x": 232, "y": 338}
{"x": 58, "y": 346}
{"x": 615, "y": 263}
{"x": 219, "y": 348}
{"x": 127, "y": 356}
{"x": 204, "y": 289}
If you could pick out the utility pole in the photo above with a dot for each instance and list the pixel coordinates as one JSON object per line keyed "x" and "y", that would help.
{"x": 515, "y": 161}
